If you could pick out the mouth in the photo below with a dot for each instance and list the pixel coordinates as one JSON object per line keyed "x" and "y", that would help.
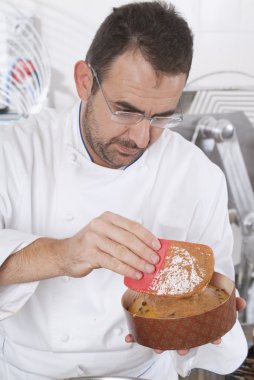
{"x": 126, "y": 150}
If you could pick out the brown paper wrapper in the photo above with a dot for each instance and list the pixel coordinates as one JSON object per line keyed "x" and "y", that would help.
{"x": 186, "y": 332}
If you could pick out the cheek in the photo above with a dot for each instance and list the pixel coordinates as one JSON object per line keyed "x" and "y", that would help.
{"x": 100, "y": 115}
{"x": 106, "y": 128}
{"x": 102, "y": 118}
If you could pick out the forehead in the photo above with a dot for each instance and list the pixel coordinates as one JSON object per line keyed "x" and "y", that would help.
{"x": 131, "y": 78}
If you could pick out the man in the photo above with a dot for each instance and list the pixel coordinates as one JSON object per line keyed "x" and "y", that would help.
{"x": 95, "y": 188}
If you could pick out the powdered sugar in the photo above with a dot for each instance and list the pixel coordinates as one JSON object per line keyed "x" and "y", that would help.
{"x": 179, "y": 275}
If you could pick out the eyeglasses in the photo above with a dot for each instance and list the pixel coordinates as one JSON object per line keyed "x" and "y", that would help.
{"x": 129, "y": 118}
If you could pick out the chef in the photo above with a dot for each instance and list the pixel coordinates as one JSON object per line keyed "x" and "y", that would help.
{"x": 85, "y": 196}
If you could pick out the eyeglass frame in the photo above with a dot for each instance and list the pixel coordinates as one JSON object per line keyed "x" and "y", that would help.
{"x": 174, "y": 119}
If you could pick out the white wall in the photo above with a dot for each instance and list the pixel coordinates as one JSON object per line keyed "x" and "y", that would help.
{"x": 223, "y": 29}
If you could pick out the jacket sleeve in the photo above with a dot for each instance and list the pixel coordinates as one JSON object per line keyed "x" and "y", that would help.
{"x": 216, "y": 232}
{"x": 12, "y": 178}
{"x": 13, "y": 297}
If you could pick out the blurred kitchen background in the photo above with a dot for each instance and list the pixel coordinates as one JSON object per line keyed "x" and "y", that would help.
{"x": 40, "y": 41}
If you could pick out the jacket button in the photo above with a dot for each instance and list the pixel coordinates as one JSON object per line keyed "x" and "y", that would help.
{"x": 65, "y": 338}
{"x": 118, "y": 331}
{"x": 72, "y": 157}
{"x": 69, "y": 217}
{"x": 143, "y": 168}
{"x": 82, "y": 371}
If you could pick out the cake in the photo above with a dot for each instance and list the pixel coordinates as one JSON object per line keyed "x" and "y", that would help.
{"x": 186, "y": 269}
{"x": 153, "y": 306}
{"x": 172, "y": 323}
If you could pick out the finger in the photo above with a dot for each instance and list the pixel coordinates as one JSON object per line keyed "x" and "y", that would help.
{"x": 115, "y": 234}
{"x": 129, "y": 338}
{"x": 158, "y": 351}
{"x": 240, "y": 303}
{"x": 217, "y": 341}
{"x": 182, "y": 352}
{"x": 132, "y": 242}
{"x": 135, "y": 228}
{"x": 124, "y": 255}
{"x": 103, "y": 260}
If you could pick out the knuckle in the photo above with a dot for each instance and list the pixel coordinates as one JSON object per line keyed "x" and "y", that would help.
{"x": 122, "y": 268}
{"x": 140, "y": 249}
{"x": 136, "y": 262}
{"x": 121, "y": 251}
{"x": 115, "y": 264}
{"x": 140, "y": 231}
{"x": 106, "y": 215}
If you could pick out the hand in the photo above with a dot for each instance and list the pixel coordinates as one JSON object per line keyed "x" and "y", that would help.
{"x": 113, "y": 242}
{"x": 130, "y": 339}
{"x": 240, "y": 305}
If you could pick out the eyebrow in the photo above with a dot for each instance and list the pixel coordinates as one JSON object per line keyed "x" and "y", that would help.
{"x": 132, "y": 108}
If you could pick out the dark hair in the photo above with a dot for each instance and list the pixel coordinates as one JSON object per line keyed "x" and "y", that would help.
{"x": 154, "y": 28}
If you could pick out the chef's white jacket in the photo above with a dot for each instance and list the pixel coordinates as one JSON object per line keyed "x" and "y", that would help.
{"x": 65, "y": 327}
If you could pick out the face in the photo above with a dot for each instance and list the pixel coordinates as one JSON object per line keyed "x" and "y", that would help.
{"x": 130, "y": 85}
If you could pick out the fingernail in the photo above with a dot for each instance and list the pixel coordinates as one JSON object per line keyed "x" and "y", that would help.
{"x": 155, "y": 259}
{"x": 138, "y": 275}
{"x": 156, "y": 244}
{"x": 149, "y": 268}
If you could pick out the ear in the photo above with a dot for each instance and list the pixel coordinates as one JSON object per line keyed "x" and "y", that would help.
{"x": 83, "y": 79}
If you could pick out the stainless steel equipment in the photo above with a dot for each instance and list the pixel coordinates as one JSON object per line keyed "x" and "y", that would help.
{"x": 24, "y": 65}
{"x": 223, "y": 133}
{"x": 225, "y": 139}
{"x": 106, "y": 378}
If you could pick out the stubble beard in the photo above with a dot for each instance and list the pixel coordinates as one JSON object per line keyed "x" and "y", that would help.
{"x": 105, "y": 149}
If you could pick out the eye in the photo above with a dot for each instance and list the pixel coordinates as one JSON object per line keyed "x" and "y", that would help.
{"x": 125, "y": 110}
{"x": 122, "y": 109}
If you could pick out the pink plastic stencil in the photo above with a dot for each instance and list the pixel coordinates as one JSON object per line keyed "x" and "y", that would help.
{"x": 143, "y": 284}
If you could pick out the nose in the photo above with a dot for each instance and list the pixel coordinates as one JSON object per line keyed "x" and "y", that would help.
{"x": 140, "y": 133}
